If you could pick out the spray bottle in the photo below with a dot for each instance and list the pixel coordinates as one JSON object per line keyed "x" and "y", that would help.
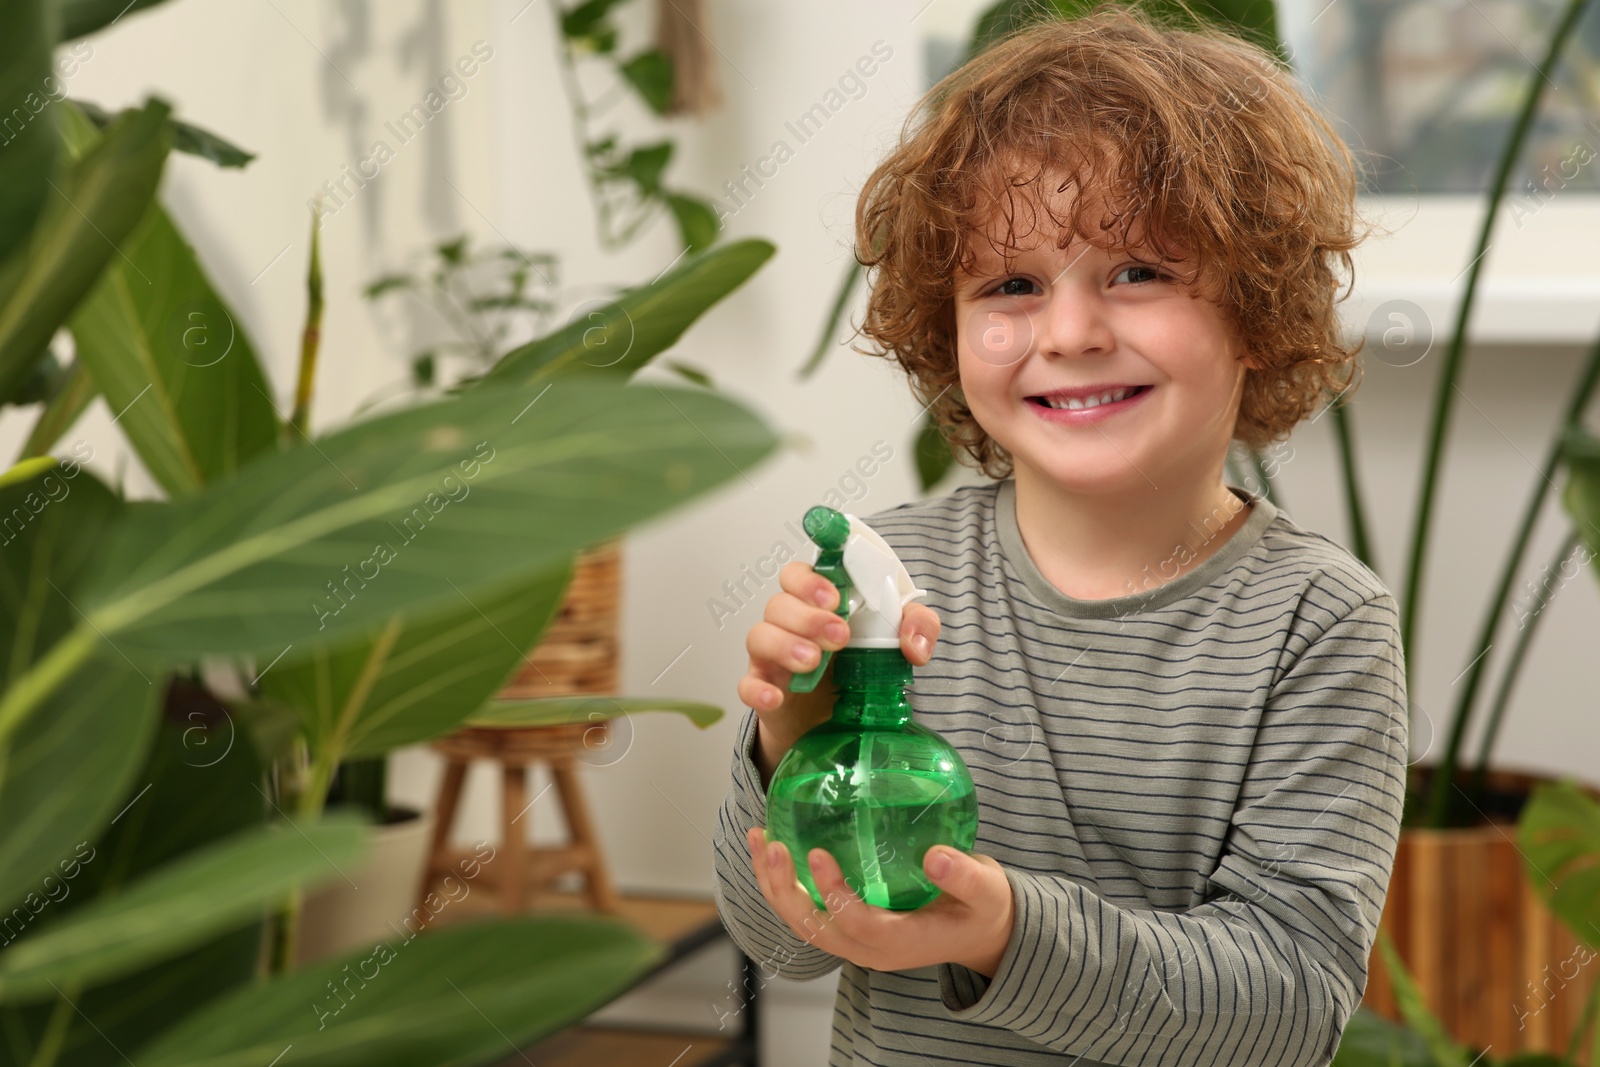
{"x": 869, "y": 786}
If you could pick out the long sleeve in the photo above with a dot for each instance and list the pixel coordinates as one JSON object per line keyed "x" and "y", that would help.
{"x": 1270, "y": 966}
{"x": 764, "y": 937}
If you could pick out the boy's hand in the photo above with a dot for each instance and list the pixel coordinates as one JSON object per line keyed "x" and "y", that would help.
{"x": 968, "y": 923}
{"x": 800, "y": 623}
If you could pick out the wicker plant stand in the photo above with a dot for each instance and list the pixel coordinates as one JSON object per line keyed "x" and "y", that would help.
{"x": 577, "y": 655}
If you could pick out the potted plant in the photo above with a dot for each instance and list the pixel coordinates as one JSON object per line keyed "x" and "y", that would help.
{"x": 1559, "y": 837}
{"x": 154, "y": 833}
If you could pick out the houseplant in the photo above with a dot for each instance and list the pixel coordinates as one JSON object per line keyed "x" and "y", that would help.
{"x": 136, "y": 866}
{"x": 1558, "y": 833}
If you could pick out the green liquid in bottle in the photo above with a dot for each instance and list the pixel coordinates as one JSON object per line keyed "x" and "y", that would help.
{"x": 874, "y": 795}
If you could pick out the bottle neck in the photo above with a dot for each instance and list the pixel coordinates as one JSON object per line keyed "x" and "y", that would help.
{"x": 871, "y": 684}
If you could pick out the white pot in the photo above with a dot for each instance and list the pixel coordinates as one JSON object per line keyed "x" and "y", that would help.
{"x": 340, "y": 917}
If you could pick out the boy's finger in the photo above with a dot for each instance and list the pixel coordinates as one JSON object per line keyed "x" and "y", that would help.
{"x": 836, "y": 892}
{"x": 965, "y": 877}
{"x": 798, "y": 577}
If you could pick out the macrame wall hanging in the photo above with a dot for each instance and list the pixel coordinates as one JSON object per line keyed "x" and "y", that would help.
{"x": 683, "y": 36}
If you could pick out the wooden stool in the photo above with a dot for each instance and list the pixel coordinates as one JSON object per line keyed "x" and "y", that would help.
{"x": 519, "y": 867}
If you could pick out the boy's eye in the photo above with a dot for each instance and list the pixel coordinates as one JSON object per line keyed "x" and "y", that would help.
{"x": 1150, "y": 273}
{"x": 1005, "y": 288}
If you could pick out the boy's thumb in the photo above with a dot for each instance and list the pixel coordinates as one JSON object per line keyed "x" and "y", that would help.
{"x": 948, "y": 868}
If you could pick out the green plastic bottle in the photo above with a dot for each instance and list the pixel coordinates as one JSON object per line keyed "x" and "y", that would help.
{"x": 871, "y": 787}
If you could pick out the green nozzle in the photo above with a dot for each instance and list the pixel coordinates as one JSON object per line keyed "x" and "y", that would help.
{"x": 829, "y": 529}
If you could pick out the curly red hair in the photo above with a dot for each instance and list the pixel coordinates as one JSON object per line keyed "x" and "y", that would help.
{"x": 1192, "y": 136}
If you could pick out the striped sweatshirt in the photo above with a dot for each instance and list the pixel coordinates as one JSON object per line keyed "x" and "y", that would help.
{"x": 1195, "y": 791}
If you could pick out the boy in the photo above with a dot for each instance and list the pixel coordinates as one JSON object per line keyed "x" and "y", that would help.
{"x": 1107, "y": 251}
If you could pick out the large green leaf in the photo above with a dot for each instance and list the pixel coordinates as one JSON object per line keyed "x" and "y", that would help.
{"x": 619, "y": 337}
{"x": 409, "y": 681}
{"x": 104, "y": 196}
{"x": 202, "y": 755}
{"x": 459, "y": 995}
{"x": 561, "y": 711}
{"x": 1559, "y": 832}
{"x": 408, "y": 512}
{"x": 28, "y": 153}
{"x": 170, "y": 358}
{"x": 65, "y": 768}
{"x": 82, "y": 17}
{"x": 182, "y": 904}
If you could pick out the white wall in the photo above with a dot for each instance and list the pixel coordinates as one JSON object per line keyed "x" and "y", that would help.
{"x": 308, "y": 86}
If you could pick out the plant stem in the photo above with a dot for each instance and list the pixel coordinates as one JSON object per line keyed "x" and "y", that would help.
{"x": 580, "y": 118}
{"x": 1360, "y": 538}
{"x": 1508, "y": 678}
{"x": 286, "y": 926}
{"x": 1444, "y": 402}
{"x": 1439, "y": 800}
{"x": 311, "y": 338}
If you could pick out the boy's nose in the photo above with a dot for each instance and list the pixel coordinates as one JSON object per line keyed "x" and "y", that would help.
{"x": 1073, "y": 322}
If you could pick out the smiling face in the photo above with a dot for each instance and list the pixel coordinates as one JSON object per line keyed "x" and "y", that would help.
{"x": 1099, "y": 370}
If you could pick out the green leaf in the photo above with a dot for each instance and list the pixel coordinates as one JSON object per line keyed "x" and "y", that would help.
{"x": 64, "y": 770}
{"x": 934, "y": 457}
{"x": 27, "y": 469}
{"x": 83, "y": 222}
{"x": 66, "y": 402}
{"x": 841, "y": 303}
{"x": 389, "y": 282}
{"x": 560, "y": 711}
{"x": 172, "y": 360}
{"x": 644, "y": 167}
{"x": 1414, "y": 1008}
{"x": 582, "y": 20}
{"x": 697, "y": 222}
{"x": 457, "y": 995}
{"x": 419, "y": 506}
{"x": 1559, "y": 834}
{"x": 66, "y": 767}
{"x": 207, "y": 891}
{"x": 1370, "y": 1040}
{"x": 28, "y": 153}
{"x": 80, "y": 18}
{"x": 201, "y": 752}
{"x": 693, "y": 374}
{"x": 621, "y": 336}
{"x": 381, "y": 691}
{"x": 186, "y": 137}
{"x": 650, "y": 74}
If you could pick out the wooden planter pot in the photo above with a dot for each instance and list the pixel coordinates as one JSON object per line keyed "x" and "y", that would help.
{"x": 1497, "y": 968}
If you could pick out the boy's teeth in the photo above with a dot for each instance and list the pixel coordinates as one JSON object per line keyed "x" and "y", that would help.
{"x": 1075, "y": 404}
